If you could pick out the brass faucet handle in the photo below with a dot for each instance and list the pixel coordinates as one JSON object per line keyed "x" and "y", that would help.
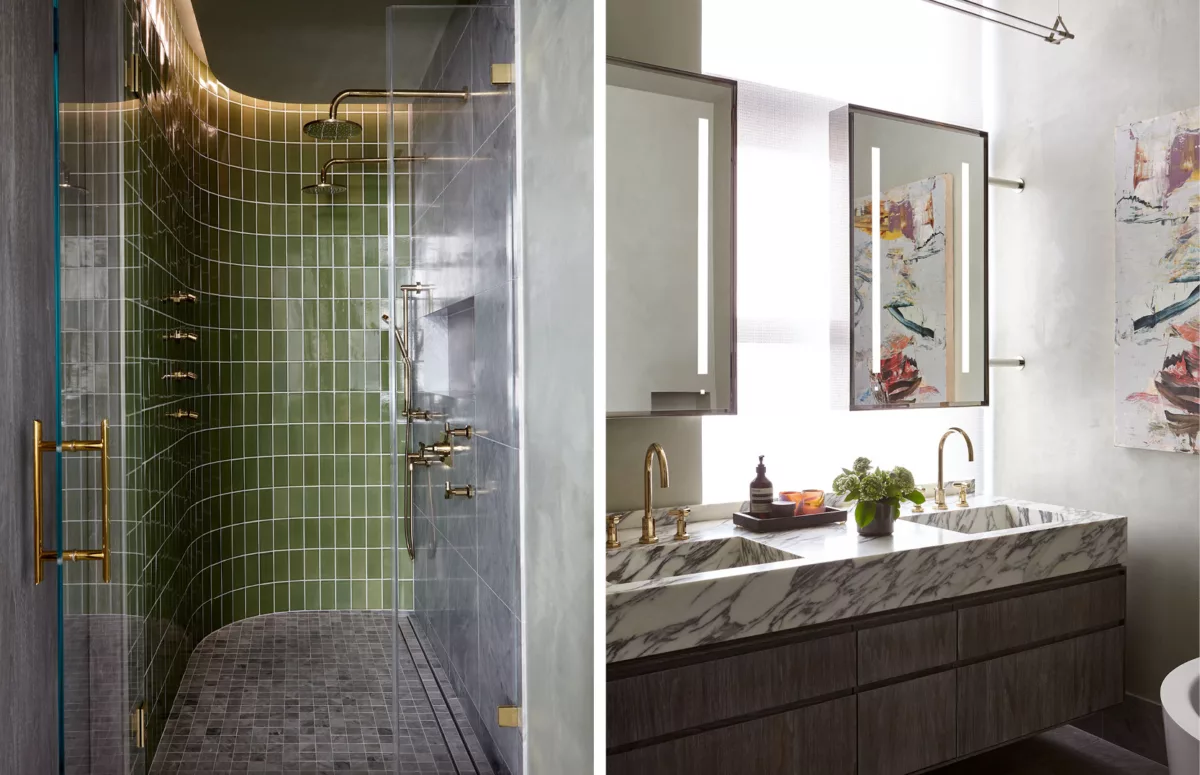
{"x": 417, "y": 459}
{"x": 962, "y": 493}
{"x": 443, "y": 451}
{"x": 681, "y": 515}
{"x": 459, "y": 491}
{"x": 610, "y": 523}
{"x": 465, "y": 432}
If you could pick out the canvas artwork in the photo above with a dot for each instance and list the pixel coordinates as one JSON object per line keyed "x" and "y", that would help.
{"x": 1158, "y": 283}
{"x": 916, "y": 285}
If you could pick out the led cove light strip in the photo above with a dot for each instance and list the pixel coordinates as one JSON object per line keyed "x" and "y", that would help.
{"x": 965, "y": 327}
{"x": 875, "y": 262}
{"x": 702, "y": 248}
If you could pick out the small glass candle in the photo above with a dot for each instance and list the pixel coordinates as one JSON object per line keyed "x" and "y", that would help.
{"x": 794, "y": 497}
{"x": 812, "y": 502}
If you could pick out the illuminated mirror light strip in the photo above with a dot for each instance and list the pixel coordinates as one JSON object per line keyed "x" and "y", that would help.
{"x": 702, "y": 248}
{"x": 876, "y": 214}
{"x": 965, "y": 327}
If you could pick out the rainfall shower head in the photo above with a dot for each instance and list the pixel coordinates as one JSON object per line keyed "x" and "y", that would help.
{"x": 324, "y": 188}
{"x": 332, "y": 129}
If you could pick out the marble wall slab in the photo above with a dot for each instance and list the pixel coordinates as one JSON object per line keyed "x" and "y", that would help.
{"x": 467, "y": 572}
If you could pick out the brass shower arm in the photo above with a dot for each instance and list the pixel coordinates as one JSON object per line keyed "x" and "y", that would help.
{"x": 374, "y": 160}
{"x": 464, "y": 94}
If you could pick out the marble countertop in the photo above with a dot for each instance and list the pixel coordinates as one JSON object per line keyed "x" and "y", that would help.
{"x": 838, "y": 573}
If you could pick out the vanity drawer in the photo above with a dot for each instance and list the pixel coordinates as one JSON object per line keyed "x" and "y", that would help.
{"x": 1011, "y": 696}
{"x": 691, "y": 695}
{"x": 998, "y": 626}
{"x": 906, "y": 727}
{"x": 903, "y": 647}
{"x": 815, "y": 739}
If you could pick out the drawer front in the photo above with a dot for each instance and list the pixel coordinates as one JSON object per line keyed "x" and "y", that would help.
{"x": 816, "y": 739}
{"x": 907, "y": 726}
{"x": 681, "y": 698}
{"x": 900, "y": 648}
{"x": 1005, "y": 624}
{"x": 1011, "y": 696}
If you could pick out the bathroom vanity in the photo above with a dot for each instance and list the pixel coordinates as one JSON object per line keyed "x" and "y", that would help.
{"x": 820, "y": 651}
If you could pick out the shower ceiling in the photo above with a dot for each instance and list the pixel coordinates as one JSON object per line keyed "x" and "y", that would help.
{"x": 308, "y": 50}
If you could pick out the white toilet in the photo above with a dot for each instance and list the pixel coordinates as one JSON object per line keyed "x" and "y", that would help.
{"x": 1180, "y": 696}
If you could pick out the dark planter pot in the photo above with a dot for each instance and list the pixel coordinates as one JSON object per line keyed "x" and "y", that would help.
{"x": 885, "y": 518}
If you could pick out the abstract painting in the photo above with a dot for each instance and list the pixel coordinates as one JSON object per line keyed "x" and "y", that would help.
{"x": 1158, "y": 283}
{"x": 916, "y": 285}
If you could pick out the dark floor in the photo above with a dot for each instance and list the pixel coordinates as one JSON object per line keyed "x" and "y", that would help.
{"x": 310, "y": 693}
{"x": 1062, "y": 751}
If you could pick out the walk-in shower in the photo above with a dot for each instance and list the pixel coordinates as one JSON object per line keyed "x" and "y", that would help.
{"x": 282, "y": 378}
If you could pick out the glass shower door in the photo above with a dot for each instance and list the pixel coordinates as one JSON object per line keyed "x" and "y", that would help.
{"x": 98, "y": 669}
{"x": 451, "y": 255}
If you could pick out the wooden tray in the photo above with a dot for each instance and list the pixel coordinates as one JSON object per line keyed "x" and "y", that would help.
{"x": 790, "y": 522}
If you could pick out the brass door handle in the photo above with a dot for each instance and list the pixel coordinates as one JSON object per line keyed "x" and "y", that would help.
{"x": 43, "y": 555}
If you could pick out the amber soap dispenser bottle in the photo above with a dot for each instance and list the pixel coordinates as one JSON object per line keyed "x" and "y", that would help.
{"x": 762, "y": 492}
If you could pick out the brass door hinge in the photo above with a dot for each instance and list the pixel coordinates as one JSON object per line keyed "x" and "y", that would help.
{"x": 508, "y": 715}
{"x": 502, "y": 74}
{"x": 137, "y": 723}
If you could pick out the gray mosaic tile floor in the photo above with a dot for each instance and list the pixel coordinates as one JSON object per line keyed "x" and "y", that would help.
{"x": 310, "y": 693}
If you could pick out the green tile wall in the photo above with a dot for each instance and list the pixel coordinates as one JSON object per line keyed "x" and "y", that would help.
{"x": 277, "y": 497}
{"x": 294, "y": 406}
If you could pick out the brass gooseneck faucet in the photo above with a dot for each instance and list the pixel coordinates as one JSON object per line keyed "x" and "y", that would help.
{"x": 939, "y": 495}
{"x": 664, "y": 480}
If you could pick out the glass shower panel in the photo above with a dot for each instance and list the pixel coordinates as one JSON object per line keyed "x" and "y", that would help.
{"x": 99, "y": 661}
{"x": 451, "y": 252}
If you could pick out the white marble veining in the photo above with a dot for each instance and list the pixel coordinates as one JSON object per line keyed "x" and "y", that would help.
{"x": 994, "y": 543}
{"x": 672, "y": 558}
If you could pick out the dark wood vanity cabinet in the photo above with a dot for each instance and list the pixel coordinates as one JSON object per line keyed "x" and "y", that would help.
{"x": 879, "y": 695}
{"x": 816, "y": 738}
{"x": 1012, "y": 696}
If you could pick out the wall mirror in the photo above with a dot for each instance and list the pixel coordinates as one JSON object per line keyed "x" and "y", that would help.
{"x": 918, "y": 263}
{"x": 670, "y": 262}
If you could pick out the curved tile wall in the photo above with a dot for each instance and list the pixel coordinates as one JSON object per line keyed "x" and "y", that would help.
{"x": 276, "y": 496}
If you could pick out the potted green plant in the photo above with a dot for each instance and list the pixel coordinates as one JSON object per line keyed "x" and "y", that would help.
{"x": 878, "y": 493}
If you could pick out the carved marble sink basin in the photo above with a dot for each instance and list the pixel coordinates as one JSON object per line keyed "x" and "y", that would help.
{"x": 680, "y": 558}
{"x": 984, "y": 519}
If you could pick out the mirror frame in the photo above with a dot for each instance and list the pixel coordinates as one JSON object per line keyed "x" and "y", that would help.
{"x": 733, "y": 147}
{"x": 987, "y": 381}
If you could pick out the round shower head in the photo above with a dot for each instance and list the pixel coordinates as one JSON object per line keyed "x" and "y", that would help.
{"x": 68, "y": 188}
{"x": 332, "y": 129}
{"x": 324, "y": 188}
